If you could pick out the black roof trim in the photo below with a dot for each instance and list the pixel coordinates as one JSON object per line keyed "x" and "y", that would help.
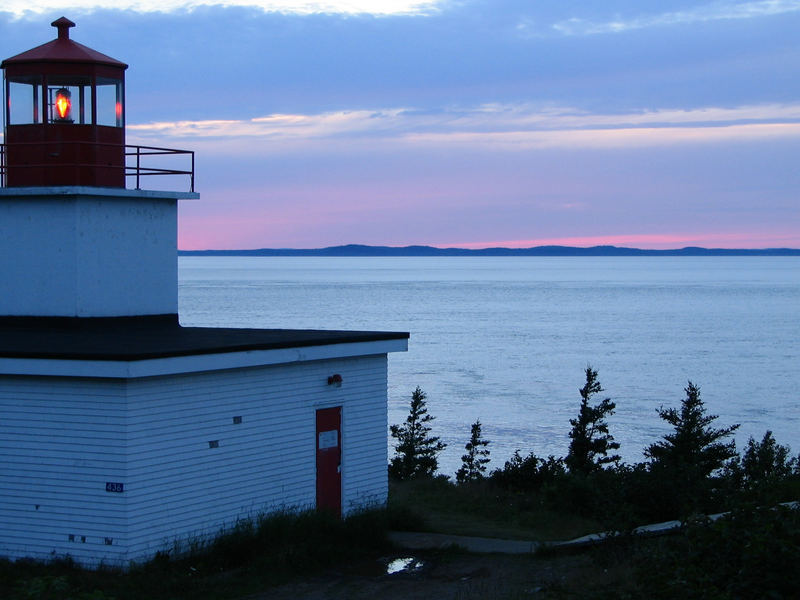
{"x": 141, "y": 338}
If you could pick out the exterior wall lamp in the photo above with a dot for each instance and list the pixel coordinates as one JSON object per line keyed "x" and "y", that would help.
{"x": 335, "y": 380}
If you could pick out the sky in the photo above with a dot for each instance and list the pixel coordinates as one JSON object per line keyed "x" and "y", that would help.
{"x": 469, "y": 123}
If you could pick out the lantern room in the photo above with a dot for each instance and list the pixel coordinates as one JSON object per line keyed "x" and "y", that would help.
{"x": 64, "y": 115}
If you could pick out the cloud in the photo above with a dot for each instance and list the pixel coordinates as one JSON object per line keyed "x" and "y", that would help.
{"x": 510, "y": 127}
{"x": 611, "y": 138}
{"x": 465, "y": 52}
{"x": 715, "y": 11}
{"x": 302, "y": 7}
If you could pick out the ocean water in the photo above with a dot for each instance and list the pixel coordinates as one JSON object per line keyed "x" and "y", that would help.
{"x": 507, "y": 339}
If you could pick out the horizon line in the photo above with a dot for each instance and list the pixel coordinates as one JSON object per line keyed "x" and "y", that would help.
{"x": 467, "y": 249}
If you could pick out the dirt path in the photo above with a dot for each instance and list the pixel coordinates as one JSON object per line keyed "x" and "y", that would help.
{"x": 449, "y": 574}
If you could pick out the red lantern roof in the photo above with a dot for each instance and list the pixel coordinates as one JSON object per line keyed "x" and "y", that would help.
{"x": 62, "y": 49}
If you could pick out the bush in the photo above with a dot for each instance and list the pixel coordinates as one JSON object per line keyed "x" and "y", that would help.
{"x": 530, "y": 473}
{"x": 765, "y": 473}
{"x": 750, "y": 553}
{"x": 766, "y": 461}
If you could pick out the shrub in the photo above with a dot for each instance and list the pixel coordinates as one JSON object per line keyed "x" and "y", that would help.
{"x": 766, "y": 461}
{"x": 531, "y": 473}
{"x": 765, "y": 473}
{"x": 750, "y": 553}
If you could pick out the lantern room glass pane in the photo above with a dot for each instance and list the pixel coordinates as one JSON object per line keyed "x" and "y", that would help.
{"x": 23, "y": 100}
{"x": 109, "y": 102}
{"x": 79, "y": 90}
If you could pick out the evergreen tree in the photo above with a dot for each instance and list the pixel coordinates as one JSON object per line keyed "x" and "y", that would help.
{"x": 473, "y": 463}
{"x": 417, "y": 450}
{"x": 590, "y": 441}
{"x": 694, "y": 448}
{"x": 684, "y": 459}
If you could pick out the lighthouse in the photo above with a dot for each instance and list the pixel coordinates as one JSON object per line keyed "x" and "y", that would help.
{"x": 122, "y": 432}
{"x": 75, "y": 242}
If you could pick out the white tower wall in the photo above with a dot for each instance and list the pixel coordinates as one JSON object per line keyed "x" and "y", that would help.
{"x": 88, "y": 252}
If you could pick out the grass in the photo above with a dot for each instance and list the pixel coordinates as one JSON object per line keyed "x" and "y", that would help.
{"x": 483, "y": 510}
{"x": 751, "y": 551}
{"x": 256, "y": 555}
{"x": 251, "y": 557}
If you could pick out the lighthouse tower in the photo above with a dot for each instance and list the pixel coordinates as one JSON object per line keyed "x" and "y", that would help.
{"x": 74, "y": 241}
{"x": 123, "y": 433}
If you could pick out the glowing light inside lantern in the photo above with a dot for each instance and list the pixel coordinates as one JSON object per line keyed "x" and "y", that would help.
{"x": 63, "y": 104}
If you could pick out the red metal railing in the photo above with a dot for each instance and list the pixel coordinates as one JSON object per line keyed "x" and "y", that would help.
{"x": 137, "y": 161}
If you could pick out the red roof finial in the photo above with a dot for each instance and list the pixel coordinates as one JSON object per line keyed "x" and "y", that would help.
{"x": 63, "y": 24}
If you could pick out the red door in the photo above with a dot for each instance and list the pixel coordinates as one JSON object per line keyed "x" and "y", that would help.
{"x": 329, "y": 460}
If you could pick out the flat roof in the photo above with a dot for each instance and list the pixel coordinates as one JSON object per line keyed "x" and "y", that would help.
{"x": 143, "y": 338}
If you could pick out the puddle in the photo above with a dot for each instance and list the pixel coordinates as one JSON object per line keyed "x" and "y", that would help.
{"x": 403, "y": 565}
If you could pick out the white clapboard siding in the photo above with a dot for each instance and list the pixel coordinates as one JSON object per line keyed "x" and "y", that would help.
{"x": 180, "y": 490}
{"x": 63, "y": 439}
{"x": 364, "y": 467}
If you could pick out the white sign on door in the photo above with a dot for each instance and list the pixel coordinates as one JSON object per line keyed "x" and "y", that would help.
{"x": 328, "y": 439}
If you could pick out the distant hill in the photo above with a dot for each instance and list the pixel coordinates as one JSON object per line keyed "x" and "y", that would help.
{"x": 360, "y": 250}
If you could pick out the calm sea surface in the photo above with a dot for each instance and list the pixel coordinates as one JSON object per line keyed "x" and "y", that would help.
{"x": 506, "y": 340}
